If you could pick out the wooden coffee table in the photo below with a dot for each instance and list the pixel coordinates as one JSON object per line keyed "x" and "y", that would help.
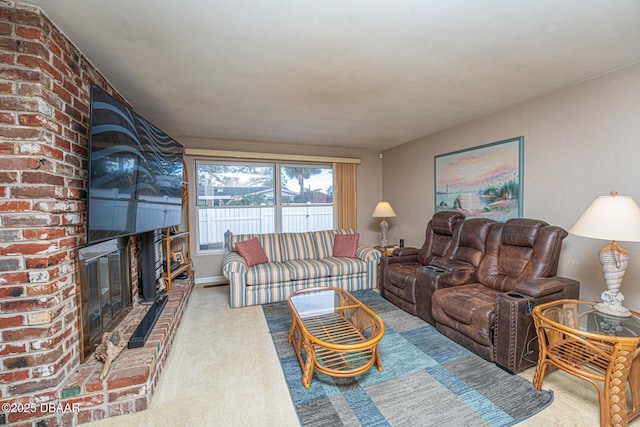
{"x": 337, "y": 333}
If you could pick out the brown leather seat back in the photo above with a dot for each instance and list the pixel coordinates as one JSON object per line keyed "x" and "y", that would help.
{"x": 473, "y": 240}
{"x": 520, "y": 250}
{"x": 442, "y": 236}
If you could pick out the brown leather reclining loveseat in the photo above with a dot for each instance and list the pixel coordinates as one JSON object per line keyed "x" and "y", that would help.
{"x": 477, "y": 281}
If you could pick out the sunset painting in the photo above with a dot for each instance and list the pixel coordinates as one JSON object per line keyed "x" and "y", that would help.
{"x": 484, "y": 181}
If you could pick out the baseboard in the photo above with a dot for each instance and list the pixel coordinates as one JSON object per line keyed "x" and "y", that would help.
{"x": 213, "y": 280}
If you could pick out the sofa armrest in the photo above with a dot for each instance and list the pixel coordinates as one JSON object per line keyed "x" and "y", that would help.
{"x": 232, "y": 262}
{"x": 368, "y": 254}
{"x": 547, "y": 287}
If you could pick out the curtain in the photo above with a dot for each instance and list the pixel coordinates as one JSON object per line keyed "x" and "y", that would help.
{"x": 345, "y": 174}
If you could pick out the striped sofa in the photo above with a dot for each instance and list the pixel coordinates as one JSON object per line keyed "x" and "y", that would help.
{"x": 296, "y": 261}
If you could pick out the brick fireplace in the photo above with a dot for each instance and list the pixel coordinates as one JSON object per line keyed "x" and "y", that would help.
{"x": 44, "y": 108}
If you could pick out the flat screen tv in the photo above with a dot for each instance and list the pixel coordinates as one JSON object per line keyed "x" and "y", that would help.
{"x": 135, "y": 172}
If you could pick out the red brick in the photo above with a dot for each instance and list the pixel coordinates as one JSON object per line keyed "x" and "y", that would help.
{"x": 9, "y": 118}
{"x": 20, "y": 133}
{"x": 128, "y": 377}
{"x": 62, "y": 92}
{"x": 19, "y": 104}
{"x": 33, "y": 48}
{"x": 15, "y": 206}
{"x": 10, "y": 321}
{"x": 5, "y": 28}
{"x": 48, "y": 233}
{"x": 28, "y": 248}
{"x": 79, "y": 150}
{"x": 30, "y": 33}
{"x": 17, "y": 74}
{"x": 127, "y": 393}
{"x": 62, "y": 143}
{"x": 38, "y": 120}
{"x": 22, "y": 305}
{"x": 25, "y": 17}
{"x": 68, "y": 243}
{"x": 43, "y": 262}
{"x": 42, "y": 289}
{"x": 10, "y": 292}
{"x": 7, "y": 148}
{"x": 32, "y": 90}
{"x": 6, "y": 87}
{"x": 37, "y": 192}
{"x": 31, "y": 220}
{"x": 85, "y": 401}
{"x": 8, "y": 177}
{"x": 7, "y": 58}
{"x": 13, "y": 376}
{"x": 64, "y": 70}
{"x": 19, "y": 163}
{"x": 12, "y": 348}
{"x": 41, "y": 178}
{"x": 59, "y": 206}
{"x": 14, "y": 278}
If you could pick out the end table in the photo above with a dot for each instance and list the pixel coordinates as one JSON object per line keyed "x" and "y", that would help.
{"x": 583, "y": 342}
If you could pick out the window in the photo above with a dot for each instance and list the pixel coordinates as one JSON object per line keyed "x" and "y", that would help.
{"x": 257, "y": 198}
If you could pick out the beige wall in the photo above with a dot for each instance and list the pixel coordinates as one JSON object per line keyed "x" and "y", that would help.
{"x": 368, "y": 191}
{"x": 580, "y": 142}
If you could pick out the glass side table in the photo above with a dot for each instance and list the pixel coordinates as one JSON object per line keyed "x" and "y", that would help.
{"x": 581, "y": 341}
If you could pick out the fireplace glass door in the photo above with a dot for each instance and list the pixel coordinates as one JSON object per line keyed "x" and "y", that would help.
{"x": 105, "y": 290}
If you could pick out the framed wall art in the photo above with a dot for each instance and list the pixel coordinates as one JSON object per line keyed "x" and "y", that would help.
{"x": 483, "y": 181}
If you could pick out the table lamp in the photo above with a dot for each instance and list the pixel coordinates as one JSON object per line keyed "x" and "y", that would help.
{"x": 383, "y": 210}
{"x": 613, "y": 218}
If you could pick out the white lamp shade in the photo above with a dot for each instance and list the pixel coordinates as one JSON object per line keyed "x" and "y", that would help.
{"x": 383, "y": 210}
{"x": 610, "y": 218}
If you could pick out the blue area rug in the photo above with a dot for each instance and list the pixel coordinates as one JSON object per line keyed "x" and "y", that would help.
{"x": 427, "y": 380}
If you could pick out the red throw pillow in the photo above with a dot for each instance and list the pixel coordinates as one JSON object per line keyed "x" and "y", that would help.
{"x": 252, "y": 252}
{"x": 346, "y": 245}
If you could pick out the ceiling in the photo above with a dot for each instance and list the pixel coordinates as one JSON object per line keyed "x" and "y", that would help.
{"x": 348, "y": 73}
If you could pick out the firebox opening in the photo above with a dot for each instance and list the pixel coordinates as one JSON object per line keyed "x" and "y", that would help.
{"x": 104, "y": 298}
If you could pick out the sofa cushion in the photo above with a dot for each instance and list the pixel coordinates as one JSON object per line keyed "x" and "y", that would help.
{"x": 346, "y": 245}
{"x": 301, "y": 269}
{"x": 252, "y": 252}
{"x": 342, "y": 266}
{"x": 271, "y": 272}
{"x": 324, "y": 243}
{"x": 297, "y": 246}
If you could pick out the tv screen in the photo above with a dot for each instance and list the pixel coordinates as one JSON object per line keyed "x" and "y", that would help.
{"x": 135, "y": 172}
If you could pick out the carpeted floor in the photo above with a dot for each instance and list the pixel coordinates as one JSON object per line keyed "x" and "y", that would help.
{"x": 427, "y": 380}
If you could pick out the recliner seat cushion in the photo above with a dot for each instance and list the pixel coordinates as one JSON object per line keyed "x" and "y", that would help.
{"x": 403, "y": 276}
{"x": 470, "y": 309}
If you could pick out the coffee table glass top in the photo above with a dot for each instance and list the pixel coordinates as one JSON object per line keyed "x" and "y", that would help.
{"x": 582, "y": 316}
{"x": 316, "y": 302}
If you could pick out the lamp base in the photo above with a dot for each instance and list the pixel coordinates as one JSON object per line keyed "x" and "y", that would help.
{"x": 612, "y": 310}
{"x": 614, "y": 261}
{"x": 384, "y": 226}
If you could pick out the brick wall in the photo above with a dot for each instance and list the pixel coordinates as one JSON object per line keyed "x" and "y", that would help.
{"x": 44, "y": 108}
